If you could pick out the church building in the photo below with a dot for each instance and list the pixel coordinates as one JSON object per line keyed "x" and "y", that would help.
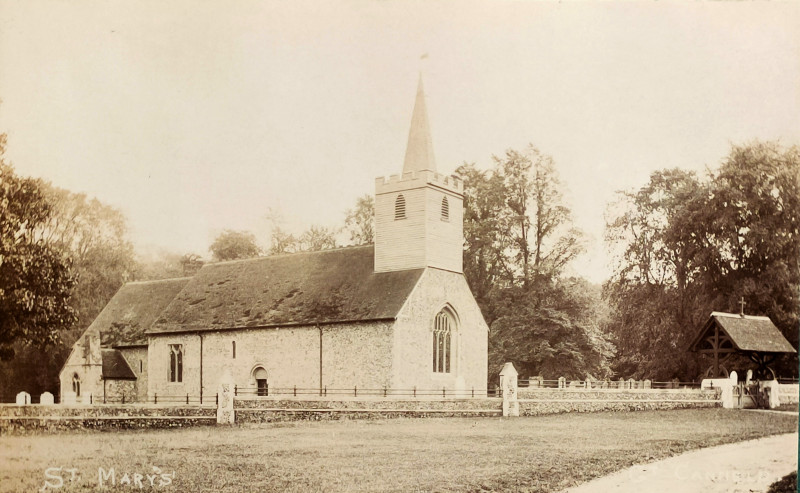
{"x": 397, "y": 314}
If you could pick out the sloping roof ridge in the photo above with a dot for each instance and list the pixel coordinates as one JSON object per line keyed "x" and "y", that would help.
{"x": 290, "y": 254}
{"x": 737, "y": 315}
{"x": 156, "y": 281}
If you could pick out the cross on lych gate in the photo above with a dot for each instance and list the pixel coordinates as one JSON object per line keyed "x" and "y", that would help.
{"x": 741, "y": 302}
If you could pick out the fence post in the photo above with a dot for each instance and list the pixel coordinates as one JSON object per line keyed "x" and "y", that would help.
{"x": 267, "y": 389}
{"x": 355, "y": 391}
{"x": 201, "y": 396}
{"x": 295, "y": 390}
{"x": 155, "y": 398}
{"x": 104, "y": 397}
{"x": 473, "y": 392}
{"x": 235, "y": 390}
{"x": 443, "y": 391}
{"x": 187, "y": 398}
{"x": 216, "y": 399}
{"x": 415, "y": 391}
{"x": 326, "y": 391}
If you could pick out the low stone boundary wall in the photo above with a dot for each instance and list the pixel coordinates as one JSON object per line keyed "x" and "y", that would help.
{"x": 536, "y": 402}
{"x": 662, "y": 395}
{"x": 262, "y": 410}
{"x": 789, "y": 393}
{"x": 59, "y": 417}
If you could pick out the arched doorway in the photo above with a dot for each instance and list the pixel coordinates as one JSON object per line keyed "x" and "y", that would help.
{"x": 262, "y": 385}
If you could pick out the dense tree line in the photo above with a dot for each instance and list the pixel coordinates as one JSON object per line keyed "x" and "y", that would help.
{"x": 519, "y": 238}
{"x": 688, "y": 246}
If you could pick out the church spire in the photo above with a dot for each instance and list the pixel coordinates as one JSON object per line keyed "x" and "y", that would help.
{"x": 419, "y": 151}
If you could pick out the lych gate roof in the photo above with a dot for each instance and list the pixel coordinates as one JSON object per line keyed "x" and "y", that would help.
{"x": 115, "y": 367}
{"x": 293, "y": 289}
{"x": 132, "y": 310}
{"x": 748, "y": 333}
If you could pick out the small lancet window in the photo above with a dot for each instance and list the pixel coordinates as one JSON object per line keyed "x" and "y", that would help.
{"x": 176, "y": 362}
{"x": 400, "y": 207}
{"x": 76, "y": 384}
{"x": 445, "y": 209}
{"x": 443, "y": 329}
{"x": 233, "y": 349}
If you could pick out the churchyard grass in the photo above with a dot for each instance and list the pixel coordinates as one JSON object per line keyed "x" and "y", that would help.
{"x": 544, "y": 453}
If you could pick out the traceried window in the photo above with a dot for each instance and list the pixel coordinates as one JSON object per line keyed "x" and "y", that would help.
{"x": 76, "y": 384}
{"x": 400, "y": 207}
{"x": 176, "y": 362}
{"x": 445, "y": 209}
{"x": 444, "y": 327}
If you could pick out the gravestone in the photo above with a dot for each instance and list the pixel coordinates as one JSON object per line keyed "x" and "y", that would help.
{"x": 605, "y": 384}
{"x": 621, "y": 383}
{"x": 648, "y": 384}
{"x": 562, "y": 382}
{"x": 225, "y": 413}
{"x": 734, "y": 377}
{"x": 46, "y": 399}
{"x": 508, "y": 383}
{"x": 631, "y": 383}
{"x": 23, "y": 399}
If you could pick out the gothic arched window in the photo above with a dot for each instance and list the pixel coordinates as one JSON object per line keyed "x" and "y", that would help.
{"x": 76, "y": 384}
{"x": 400, "y": 207}
{"x": 444, "y": 328}
{"x": 176, "y": 362}
{"x": 445, "y": 209}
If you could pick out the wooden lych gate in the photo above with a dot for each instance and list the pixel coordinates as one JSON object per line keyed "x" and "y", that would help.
{"x": 727, "y": 334}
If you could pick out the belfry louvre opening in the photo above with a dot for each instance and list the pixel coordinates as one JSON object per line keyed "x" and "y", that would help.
{"x": 400, "y": 207}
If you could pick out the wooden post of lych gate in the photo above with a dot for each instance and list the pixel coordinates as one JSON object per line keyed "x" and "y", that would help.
{"x": 508, "y": 384}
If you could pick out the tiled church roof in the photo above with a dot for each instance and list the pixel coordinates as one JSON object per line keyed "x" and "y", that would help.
{"x": 115, "y": 367}
{"x": 132, "y": 310}
{"x": 293, "y": 289}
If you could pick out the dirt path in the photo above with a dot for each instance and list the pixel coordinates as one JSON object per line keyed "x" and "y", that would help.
{"x": 736, "y": 467}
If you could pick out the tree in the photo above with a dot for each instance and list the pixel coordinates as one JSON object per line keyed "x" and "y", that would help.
{"x": 232, "y": 245}
{"x": 317, "y": 238}
{"x": 35, "y": 278}
{"x": 359, "y": 221}
{"x": 94, "y": 236}
{"x": 518, "y": 240}
{"x": 690, "y": 247}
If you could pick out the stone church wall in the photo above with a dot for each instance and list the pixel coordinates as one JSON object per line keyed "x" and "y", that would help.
{"x": 87, "y": 364}
{"x": 115, "y": 390}
{"x": 137, "y": 360}
{"x": 356, "y": 354}
{"x": 413, "y": 359}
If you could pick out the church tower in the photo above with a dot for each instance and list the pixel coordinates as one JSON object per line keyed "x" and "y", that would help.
{"x": 419, "y": 214}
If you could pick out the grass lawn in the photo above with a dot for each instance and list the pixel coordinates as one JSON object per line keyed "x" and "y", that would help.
{"x": 439, "y": 454}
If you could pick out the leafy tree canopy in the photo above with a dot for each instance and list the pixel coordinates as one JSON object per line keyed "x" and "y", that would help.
{"x": 232, "y": 245}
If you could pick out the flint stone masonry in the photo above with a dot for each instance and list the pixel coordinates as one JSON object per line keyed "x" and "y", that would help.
{"x": 688, "y": 395}
{"x": 14, "y": 419}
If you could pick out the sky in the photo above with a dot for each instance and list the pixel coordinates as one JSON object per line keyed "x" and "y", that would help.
{"x": 195, "y": 117}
